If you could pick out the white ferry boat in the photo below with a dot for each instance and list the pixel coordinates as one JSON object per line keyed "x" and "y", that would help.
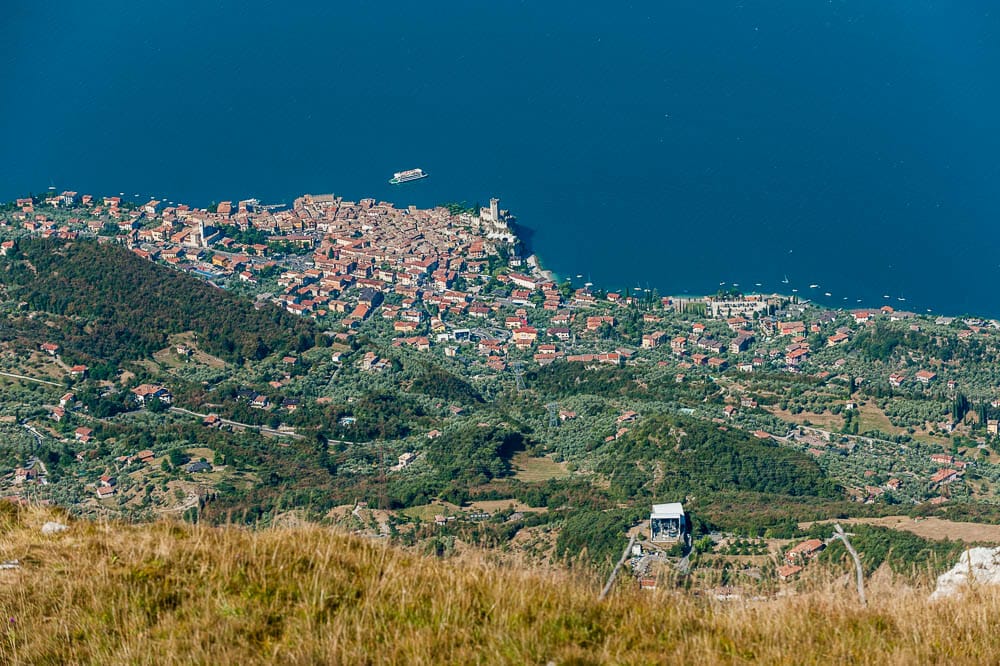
{"x": 407, "y": 176}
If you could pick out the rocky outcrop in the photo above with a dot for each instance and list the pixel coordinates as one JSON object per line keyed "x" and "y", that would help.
{"x": 53, "y": 527}
{"x": 976, "y": 566}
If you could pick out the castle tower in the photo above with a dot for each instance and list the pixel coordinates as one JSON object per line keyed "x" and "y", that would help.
{"x": 495, "y": 209}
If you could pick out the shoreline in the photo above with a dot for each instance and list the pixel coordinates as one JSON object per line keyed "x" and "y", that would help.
{"x": 534, "y": 261}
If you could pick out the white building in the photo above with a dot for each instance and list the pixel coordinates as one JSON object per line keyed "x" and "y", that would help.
{"x": 667, "y": 523}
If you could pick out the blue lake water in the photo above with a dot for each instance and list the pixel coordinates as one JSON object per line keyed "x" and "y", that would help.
{"x": 849, "y": 144}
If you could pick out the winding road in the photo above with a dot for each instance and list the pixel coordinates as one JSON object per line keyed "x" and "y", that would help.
{"x": 261, "y": 429}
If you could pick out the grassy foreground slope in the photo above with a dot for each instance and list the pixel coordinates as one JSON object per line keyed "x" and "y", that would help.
{"x": 175, "y": 593}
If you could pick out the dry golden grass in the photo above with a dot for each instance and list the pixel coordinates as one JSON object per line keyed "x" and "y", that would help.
{"x": 168, "y": 593}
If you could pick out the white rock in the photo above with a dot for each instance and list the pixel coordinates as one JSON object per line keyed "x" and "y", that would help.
{"x": 52, "y": 527}
{"x": 976, "y": 566}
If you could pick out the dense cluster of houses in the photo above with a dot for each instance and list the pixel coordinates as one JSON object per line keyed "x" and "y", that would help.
{"x": 354, "y": 254}
{"x": 435, "y": 263}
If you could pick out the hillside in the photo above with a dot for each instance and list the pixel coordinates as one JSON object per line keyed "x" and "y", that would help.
{"x": 115, "y": 306}
{"x": 174, "y": 593}
{"x": 435, "y": 397}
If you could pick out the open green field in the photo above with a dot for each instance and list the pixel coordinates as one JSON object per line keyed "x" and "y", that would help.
{"x": 534, "y": 469}
{"x": 168, "y": 357}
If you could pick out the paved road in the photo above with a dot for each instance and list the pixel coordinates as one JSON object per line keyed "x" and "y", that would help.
{"x": 32, "y": 379}
{"x": 684, "y": 566}
{"x": 262, "y": 429}
{"x": 37, "y": 435}
{"x": 830, "y": 435}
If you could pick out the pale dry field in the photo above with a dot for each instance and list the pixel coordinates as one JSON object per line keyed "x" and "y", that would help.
{"x": 930, "y": 528}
